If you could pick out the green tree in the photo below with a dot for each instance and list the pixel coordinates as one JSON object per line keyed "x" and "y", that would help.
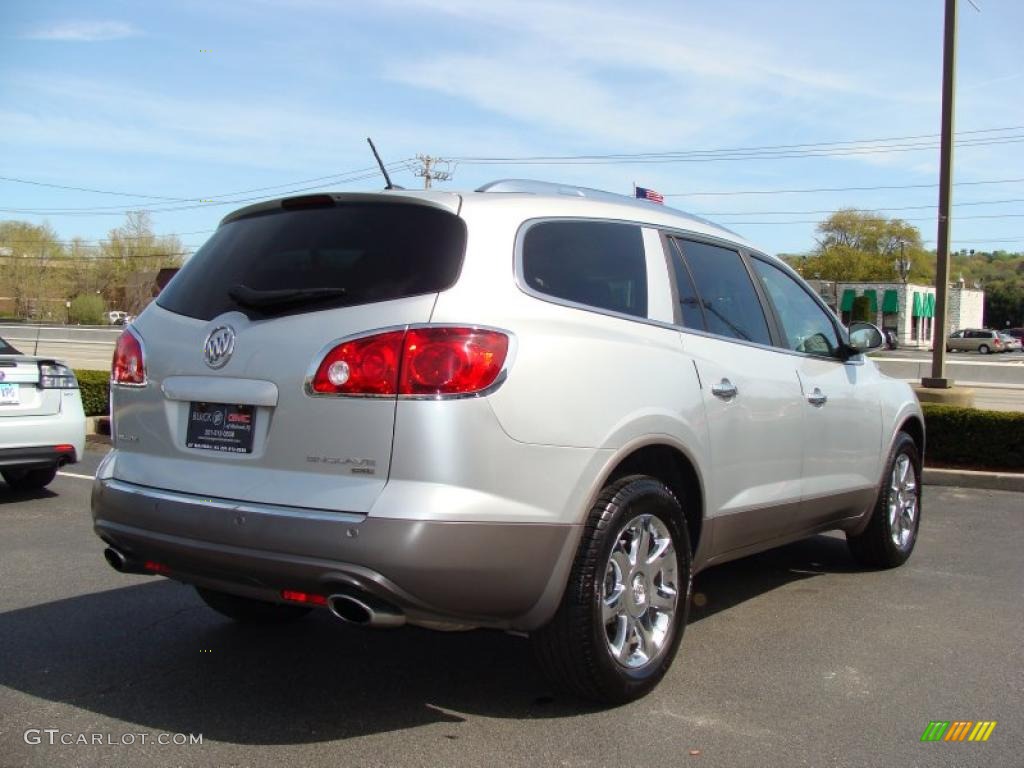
{"x": 87, "y": 309}
{"x": 130, "y": 255}
{"x": 27, "y": 253}
{"x": 857, "y": 245}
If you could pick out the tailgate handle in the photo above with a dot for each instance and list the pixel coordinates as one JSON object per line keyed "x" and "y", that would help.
{"x": 210, "y": 389}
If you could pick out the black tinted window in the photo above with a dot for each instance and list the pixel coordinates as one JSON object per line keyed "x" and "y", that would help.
{"x": 731, "y": 305}
{"x": 600, "y": 264}
{"x": 372, "y": 252}
{"x": 689, "y": 302}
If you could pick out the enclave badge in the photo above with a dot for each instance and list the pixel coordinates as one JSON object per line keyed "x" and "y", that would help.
{"x": 219, "y": 346}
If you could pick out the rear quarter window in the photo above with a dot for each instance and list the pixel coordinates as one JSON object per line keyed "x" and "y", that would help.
{"x": 597, "y": 264}
{"x": 374, "y": 252}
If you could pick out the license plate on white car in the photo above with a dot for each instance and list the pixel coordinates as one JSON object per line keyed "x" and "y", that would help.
{"x": 9, "y": 394}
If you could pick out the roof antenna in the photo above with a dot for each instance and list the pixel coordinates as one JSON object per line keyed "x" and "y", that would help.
{"x": 382, "y": 168}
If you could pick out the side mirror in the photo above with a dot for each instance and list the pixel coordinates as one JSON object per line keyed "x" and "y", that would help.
{"x": 865, "y": 337}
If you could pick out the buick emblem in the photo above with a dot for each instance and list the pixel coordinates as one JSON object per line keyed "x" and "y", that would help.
{"x": 219, "y": 346}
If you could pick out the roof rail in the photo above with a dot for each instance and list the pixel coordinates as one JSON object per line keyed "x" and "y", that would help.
{"x": 531, "y": 187}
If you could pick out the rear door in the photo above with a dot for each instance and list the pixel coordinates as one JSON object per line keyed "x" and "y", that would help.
{"x": 230, "y": 343}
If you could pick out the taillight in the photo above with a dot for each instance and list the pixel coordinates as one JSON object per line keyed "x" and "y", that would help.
{"x": 56, "y": 376}
{"x": 129, "y": 366}
{"x": 418, "y": 362}
{"x": 366, "y": 366}
{"x": 451, "y": 361}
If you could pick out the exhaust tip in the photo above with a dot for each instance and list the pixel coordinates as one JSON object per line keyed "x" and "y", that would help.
{"x": 365, "y": 611}
{"x": 350, "y": 609}
{"x": 116, "y": 559}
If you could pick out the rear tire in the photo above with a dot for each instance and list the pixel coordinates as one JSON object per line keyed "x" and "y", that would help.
{"x": 29, "y": 479}
{"x": 250, "y": 611}
{"x": 983, "y": 349}
{"x": 891, "y": 534}
{"x": 624, "y": 609}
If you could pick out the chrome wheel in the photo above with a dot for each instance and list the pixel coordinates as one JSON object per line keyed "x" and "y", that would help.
{"x": 903, "y": 501}
{"x": 640, "y": 593}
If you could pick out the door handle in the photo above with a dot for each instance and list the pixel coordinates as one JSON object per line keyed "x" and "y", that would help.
{"x": 725, "y": 390}
{"x": 817, "y": 398}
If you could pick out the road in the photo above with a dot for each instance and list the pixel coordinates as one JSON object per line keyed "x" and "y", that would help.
{"x": 793, "y": 658}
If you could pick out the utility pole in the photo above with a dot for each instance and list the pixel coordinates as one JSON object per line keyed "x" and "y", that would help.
{"x": 428, "y": 171}
{"x": 938, "y": 378}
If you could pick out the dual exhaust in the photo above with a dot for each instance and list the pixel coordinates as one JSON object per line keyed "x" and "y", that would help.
{"x": 360, "y": 609}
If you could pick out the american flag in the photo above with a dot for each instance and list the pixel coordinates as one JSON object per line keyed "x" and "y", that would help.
{"x": 650, "y": 194}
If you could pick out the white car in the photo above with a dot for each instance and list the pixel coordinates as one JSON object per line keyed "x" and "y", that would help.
{"x": 42, "y": 422}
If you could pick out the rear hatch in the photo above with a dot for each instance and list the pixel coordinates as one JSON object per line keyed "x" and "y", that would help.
{"x": 288, "y": 279}
{"x": 20, "y": 394}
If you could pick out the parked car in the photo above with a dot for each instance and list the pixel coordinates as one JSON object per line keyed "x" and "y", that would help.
{"x": 42, "y": 423}
{"x": 1010, "y": 344}
{"x": 531, "y": 407}
{"x": 116, "y": 317}
{"x": 980, "y": 340}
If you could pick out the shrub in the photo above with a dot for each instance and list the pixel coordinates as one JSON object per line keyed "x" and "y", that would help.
{"x": 95, "y": 386}
{"x": 970, "y": 437}
{"x": 87, "y": 309}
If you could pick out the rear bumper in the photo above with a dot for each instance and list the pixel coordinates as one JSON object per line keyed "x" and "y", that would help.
{"x": 37, "y": 457}
{"x": 505, "y": 575}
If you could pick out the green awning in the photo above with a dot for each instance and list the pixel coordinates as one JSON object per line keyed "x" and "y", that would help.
{"x": 872, "y": 300}
{"x": 928, "y": 310}
{"x": 847, "y": 303}
{"x": 916, "y": 312}
{"x": 891, "y": 302}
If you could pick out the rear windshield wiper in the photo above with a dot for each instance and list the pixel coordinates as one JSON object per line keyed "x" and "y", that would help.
{"x": 257, "y": 299}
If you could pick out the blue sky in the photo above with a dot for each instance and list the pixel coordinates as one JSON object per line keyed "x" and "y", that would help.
{"x": 192, "y": 101}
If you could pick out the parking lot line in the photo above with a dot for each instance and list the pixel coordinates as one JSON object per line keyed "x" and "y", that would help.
{"x": 75, "y": 474}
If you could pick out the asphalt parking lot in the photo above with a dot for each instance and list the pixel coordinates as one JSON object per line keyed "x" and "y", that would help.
{"x": 792, "y": 658}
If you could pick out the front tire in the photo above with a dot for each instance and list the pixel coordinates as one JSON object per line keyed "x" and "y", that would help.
{"x": 624, "y": 610}
{"x": 891, "y": 533}
{"x": 29, "y": 479}
{"x": 250, "y": 611}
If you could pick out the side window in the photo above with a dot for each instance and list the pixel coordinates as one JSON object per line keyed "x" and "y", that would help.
{"x": 805, "y": 325}
{"x": 597, "y": 263}
{"x": 727, "y": 296}
{"x": 689, "y": 302}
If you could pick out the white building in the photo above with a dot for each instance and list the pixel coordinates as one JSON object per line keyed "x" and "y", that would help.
{"x": 907, "y": 309}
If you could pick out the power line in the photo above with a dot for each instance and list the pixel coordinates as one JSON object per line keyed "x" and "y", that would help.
{"x": 717, "y": 193}
{"x": 778, "y": 151}
{"x": 194, "y": 202}
{"x": 856, "y": 208}
{"x": 926, "y": 218}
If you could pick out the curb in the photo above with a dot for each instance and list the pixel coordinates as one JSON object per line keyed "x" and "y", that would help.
{"x": 97, "y": 425}
{"x": 992, "y": 481}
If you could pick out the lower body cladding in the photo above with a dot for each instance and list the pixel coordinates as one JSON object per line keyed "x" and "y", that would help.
{"x": 377, "y": 571}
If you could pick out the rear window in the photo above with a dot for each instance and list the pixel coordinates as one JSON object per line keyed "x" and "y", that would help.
{"x": 366, "y": 252}
{"x": 597, "y": 263}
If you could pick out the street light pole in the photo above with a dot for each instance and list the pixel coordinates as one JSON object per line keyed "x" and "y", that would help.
{"x": 938, "y": 378}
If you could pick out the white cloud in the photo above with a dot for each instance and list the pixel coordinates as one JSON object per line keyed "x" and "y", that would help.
{"x": 85, "y": 31}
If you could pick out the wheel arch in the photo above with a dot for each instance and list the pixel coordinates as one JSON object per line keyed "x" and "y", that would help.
{"x": 673, "y": 466}
{"x": 914, "y": 426}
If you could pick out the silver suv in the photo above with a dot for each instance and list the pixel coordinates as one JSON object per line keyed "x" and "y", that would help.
{"x": 530, "y": 407}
